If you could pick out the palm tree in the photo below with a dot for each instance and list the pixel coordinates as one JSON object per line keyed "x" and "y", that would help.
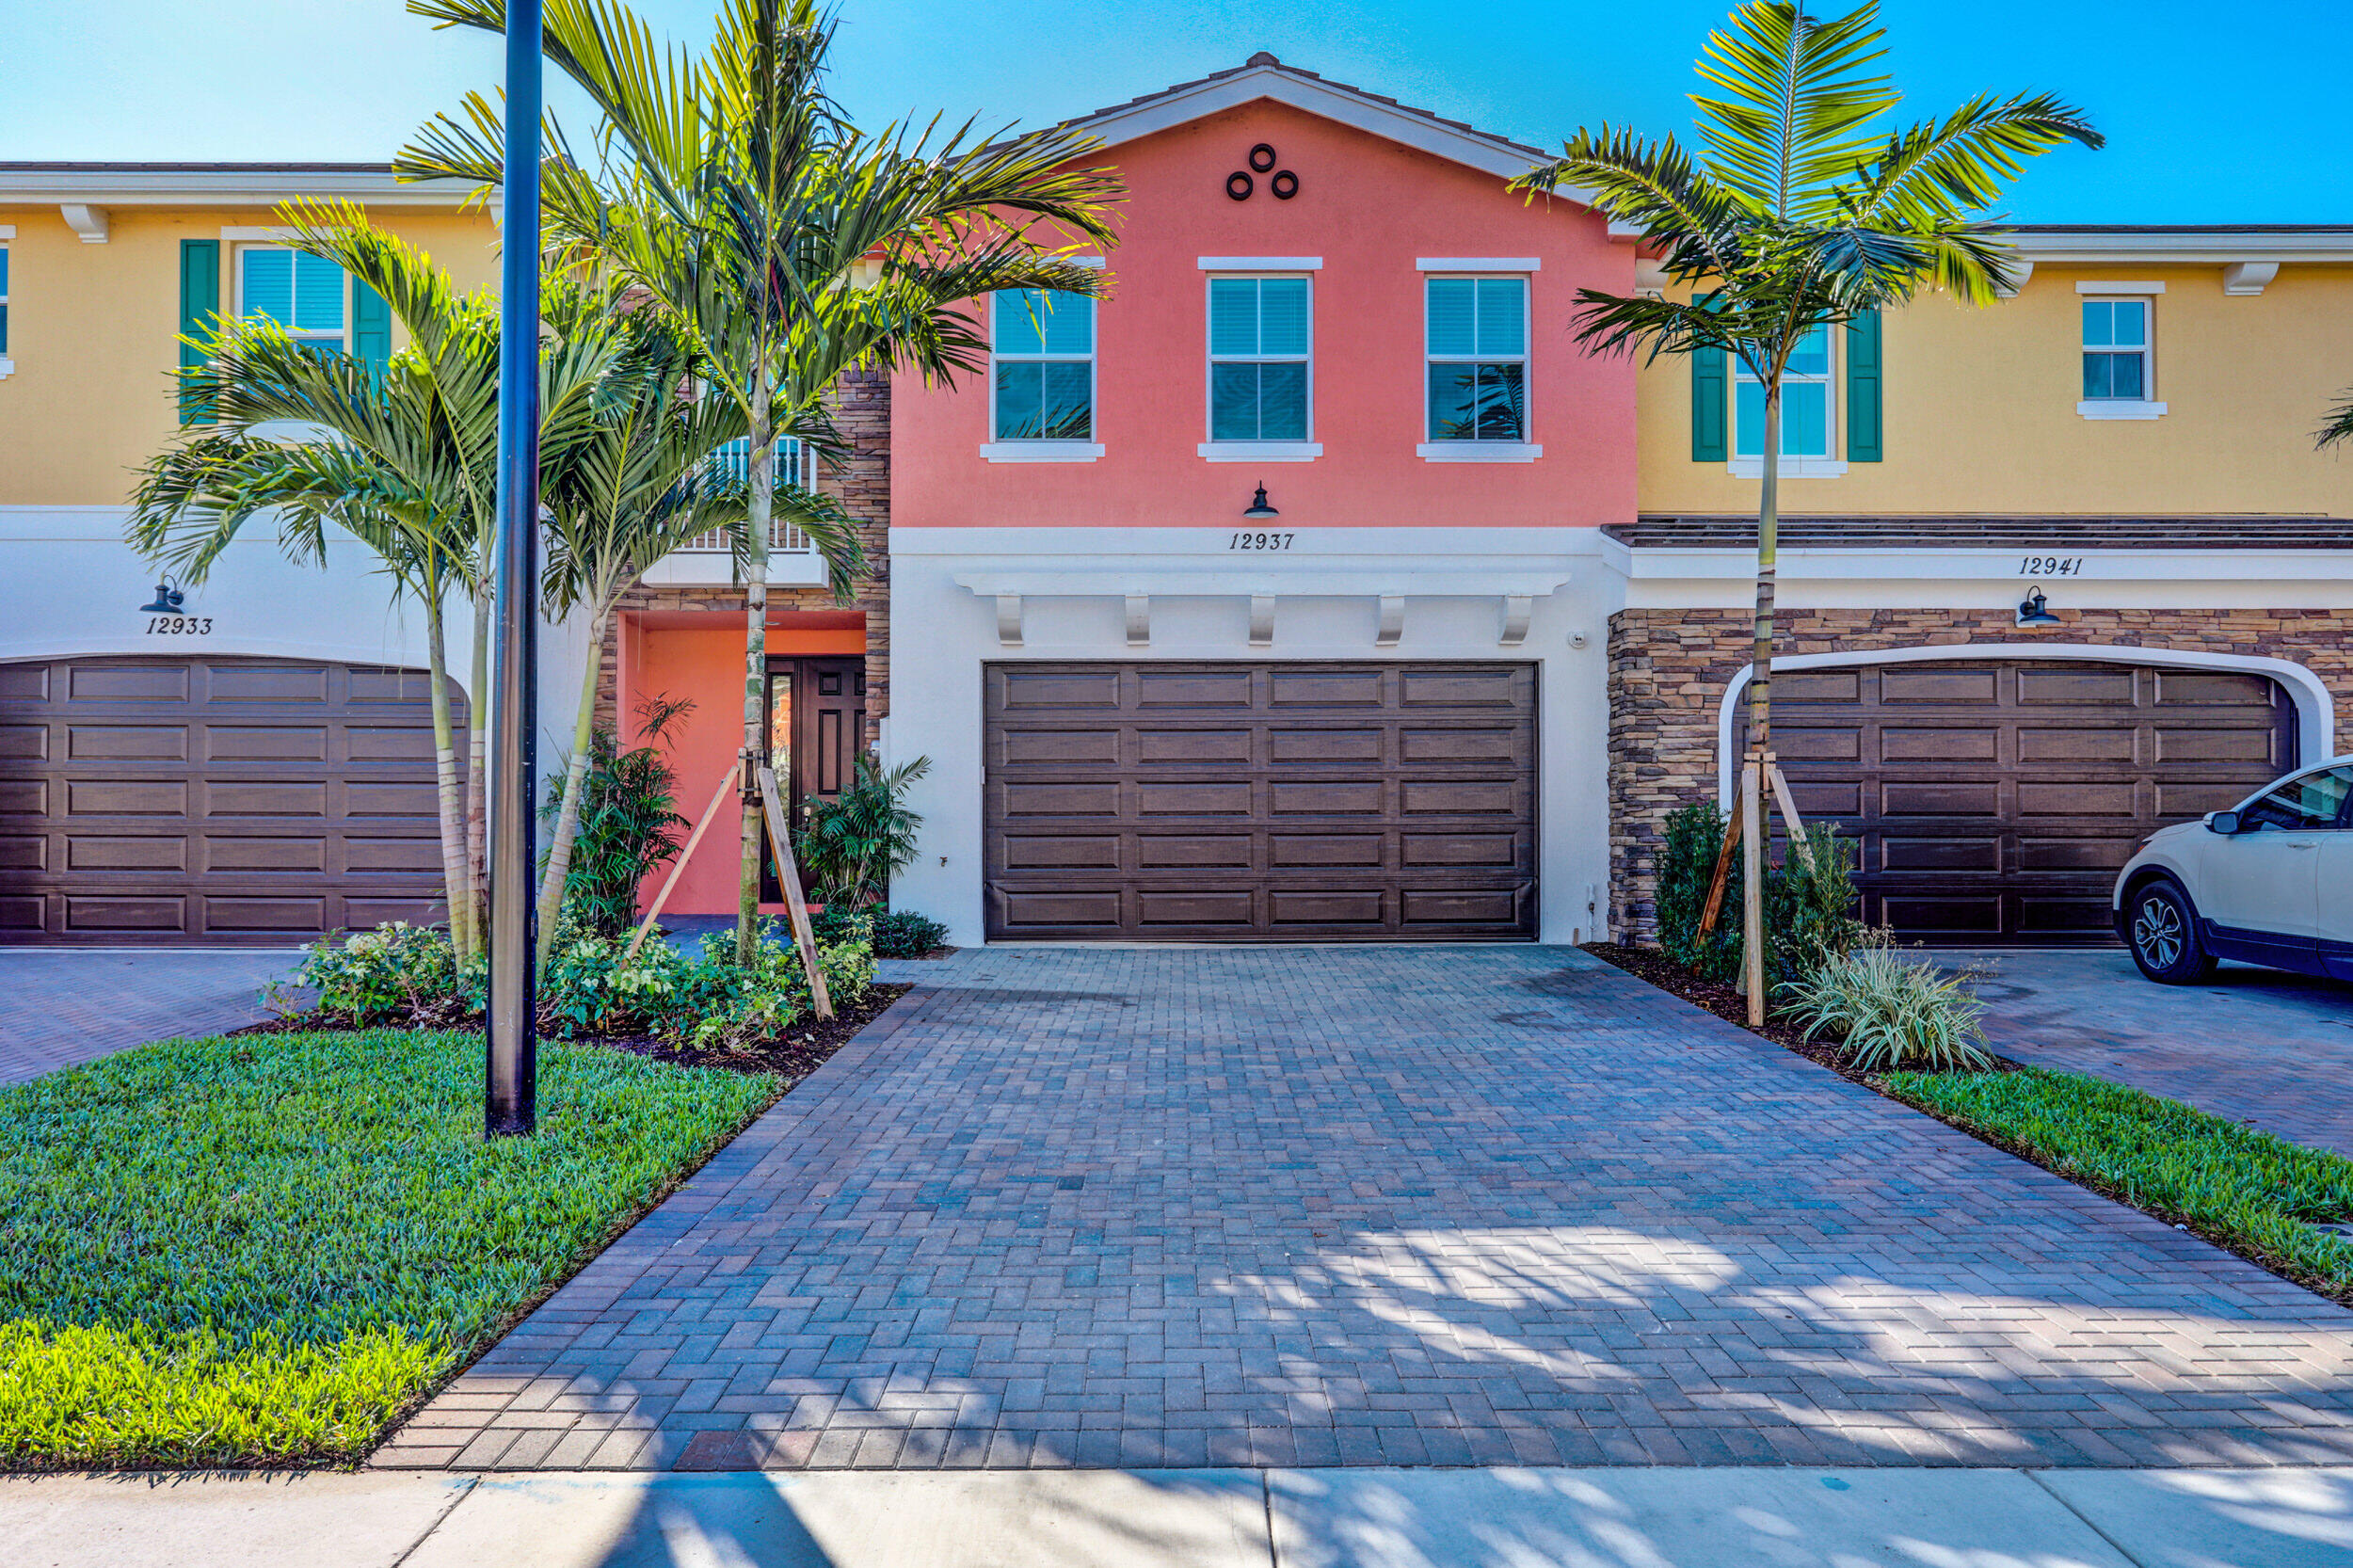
{"x": 785, "y": 245}
{"x": 1800, "y": 211}
{"x": 635, "y": 481}
{"x": 403, "y": 459}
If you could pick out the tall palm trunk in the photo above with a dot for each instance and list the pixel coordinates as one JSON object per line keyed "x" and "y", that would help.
{"x": 761, "y": 442}
{"x": 456, "y": 881}
{"x": 575, "y": 779}
{"x": 1760, "y": 711}
{"x": 478, "y": 764}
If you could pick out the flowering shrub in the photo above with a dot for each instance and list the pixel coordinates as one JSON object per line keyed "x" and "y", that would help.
{"x": 409, "y": 975}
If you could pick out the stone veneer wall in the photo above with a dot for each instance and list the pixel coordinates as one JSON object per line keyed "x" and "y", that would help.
{"x": 861, "y": 410}
{"x": 1668, "y": 669}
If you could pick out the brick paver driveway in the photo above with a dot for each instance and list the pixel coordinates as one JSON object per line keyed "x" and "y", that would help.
{"x": 2254, "y": 1044}
{"x": 1357, "y": 1205}
{"x": 60, "y": 1007}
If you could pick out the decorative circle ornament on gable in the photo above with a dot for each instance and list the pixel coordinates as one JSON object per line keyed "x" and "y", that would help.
{"x": 1241, "y": 185}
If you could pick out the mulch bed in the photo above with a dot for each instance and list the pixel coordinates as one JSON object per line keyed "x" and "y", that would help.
{"x": 794, "y": 1055}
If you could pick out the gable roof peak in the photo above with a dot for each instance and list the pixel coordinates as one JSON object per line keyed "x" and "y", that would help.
{"x": 1263, "y": 57}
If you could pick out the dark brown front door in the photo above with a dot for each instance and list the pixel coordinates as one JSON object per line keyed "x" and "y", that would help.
{"x": 186, "y": 800}
{"x": 816, "y": 729}
{"x": 1260, "y": 802}
{"x": 1994, "y": 800}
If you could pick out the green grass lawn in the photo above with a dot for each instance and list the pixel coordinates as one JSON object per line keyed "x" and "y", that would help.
{"x": 2248, "y": 1191}
{"x": 265, "y": 1248}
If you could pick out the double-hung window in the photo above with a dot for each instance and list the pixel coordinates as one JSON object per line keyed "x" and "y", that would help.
{"x": 303, "y": 294}
{"x": 1475, "y": 333}
{"x": 1261, "y": 384}
{"x": 1042, "y": 387}
{"x": 2119, "y": 372}
{"x": 1809, "y": 413}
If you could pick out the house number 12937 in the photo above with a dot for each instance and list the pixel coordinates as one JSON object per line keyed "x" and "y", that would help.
{"x": 1260, "y": 541}
{"x": 2050, "y": 566}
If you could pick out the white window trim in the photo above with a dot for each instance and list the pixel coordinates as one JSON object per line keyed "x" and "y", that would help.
{"x": 1268, "y": 452}
{"x": 238, "y": 274}
{"x": 1827, "y": 466}
{"x": 8, "y": 232}
{"x": 1478, "y": 264}
{"x": 2143, "y": 406}
{"x": 1260, "y": 451}
{"x": 996, "y": 450}
{"x": 1480, "y": 451}
{"x": 1791, "y": 468}
{"x": 1040, "y": 452}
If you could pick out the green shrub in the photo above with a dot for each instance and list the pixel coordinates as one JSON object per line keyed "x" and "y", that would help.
{"x": 408, "y": 976}
{"x": 896, "y": 933}
{"x": 267, "y": 1247}
{"x": 629, "y": 822}
{"x": 1809, "y": 913}
{"x": 858, "y": 841}
{"x": 1890, "y": 1012}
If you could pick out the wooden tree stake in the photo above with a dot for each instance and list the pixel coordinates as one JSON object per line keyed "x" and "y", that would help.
{"x": 1714, "y": 905}
{"x": 1799, "y": 843}
{"x": 788, "y": 873}
{"x": 1752, "y": 876}
{"x": 727, "y": 781}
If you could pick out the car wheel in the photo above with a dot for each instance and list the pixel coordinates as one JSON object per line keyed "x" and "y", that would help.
{"x": 2161, "y": 931}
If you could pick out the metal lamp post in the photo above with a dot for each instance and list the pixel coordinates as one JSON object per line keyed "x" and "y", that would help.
{"x": 510, "y": 1103}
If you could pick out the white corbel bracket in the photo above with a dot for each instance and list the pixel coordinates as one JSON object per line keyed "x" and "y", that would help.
{"x": 1009, "y": 620}
{"x": 86, "y": 220}
{"x": 2249, "y": 277}
{"x": 1138, "y": 621}
{"x": 2019, "y": 272}
{"x": 1392, "y": 621}
{"x": 1517, "y": 608}
{"x": 1261, "y": 620}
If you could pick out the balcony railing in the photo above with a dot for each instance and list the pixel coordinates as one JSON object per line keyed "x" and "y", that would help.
{"x": 795, "y": 464}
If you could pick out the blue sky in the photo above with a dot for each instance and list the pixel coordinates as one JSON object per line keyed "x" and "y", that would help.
{"x": 2214, "y": 113}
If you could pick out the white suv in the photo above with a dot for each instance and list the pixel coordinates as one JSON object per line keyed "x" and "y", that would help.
{"x": 2269, "y": 883}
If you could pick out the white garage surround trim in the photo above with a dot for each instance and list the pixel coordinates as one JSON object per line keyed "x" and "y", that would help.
{"x": 2316, "y": 714}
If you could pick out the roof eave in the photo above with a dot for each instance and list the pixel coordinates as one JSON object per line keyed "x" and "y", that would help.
{"x": 1311, "y": 94}
{"x": 2187, "y": 246}
{"x": 223, "y": 187}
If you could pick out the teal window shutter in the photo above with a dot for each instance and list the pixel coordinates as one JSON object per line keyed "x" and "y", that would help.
{"x": 371, "y": 326}
{"x": 1708, "y": 405}
{"x": 200, "y": 302}
{"x": 1865, "y": 435}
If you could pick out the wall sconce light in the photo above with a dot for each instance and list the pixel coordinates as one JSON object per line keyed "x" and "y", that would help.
{"x": 168, "y": 600}
{"x": 1259, "y": 508}
{"x": 2033, "y": 611}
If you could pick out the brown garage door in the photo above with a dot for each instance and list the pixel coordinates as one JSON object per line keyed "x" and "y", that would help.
{"x": 1261, "y": 802}
{"x": 212, "y": 800}
{"x": 1995, "y": 800}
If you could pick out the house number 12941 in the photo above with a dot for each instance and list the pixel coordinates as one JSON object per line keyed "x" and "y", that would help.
{"x": 2050, "y": 566}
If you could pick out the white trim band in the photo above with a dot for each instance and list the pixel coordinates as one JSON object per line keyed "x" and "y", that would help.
{"x": 1041, "y": 451}
{"x": 1478, "y": 264}
{"x": 2119, "y": 407}
{"x": 2099, "y": 286}
{"x": 1261, "y": 264}
{"x": 1478, "y": 451}
{"x": 1260, "y": 451}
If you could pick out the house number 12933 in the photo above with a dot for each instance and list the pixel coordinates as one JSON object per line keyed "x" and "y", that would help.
{"x": 183, "y": 626}
{"x": 1261, "y": 541}
{"x": 2050, "y": 566}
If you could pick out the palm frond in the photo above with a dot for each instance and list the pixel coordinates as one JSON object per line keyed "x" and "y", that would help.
{"x": 2338, "y": 426}
{"x": 1794, "y": 94}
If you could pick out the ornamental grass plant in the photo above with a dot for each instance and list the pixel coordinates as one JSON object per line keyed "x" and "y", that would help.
{"x": 264, "y": 1249}
{"x": 1890, "y": 1011}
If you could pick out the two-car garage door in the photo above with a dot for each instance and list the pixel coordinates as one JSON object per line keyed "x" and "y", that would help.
{"x": 175, "y": 800}
{"x": 1260, "y": 801}
{"x": 1995, "y": 800}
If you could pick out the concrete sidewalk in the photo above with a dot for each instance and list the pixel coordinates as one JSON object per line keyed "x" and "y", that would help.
{"x": 1360, "y": 1518}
